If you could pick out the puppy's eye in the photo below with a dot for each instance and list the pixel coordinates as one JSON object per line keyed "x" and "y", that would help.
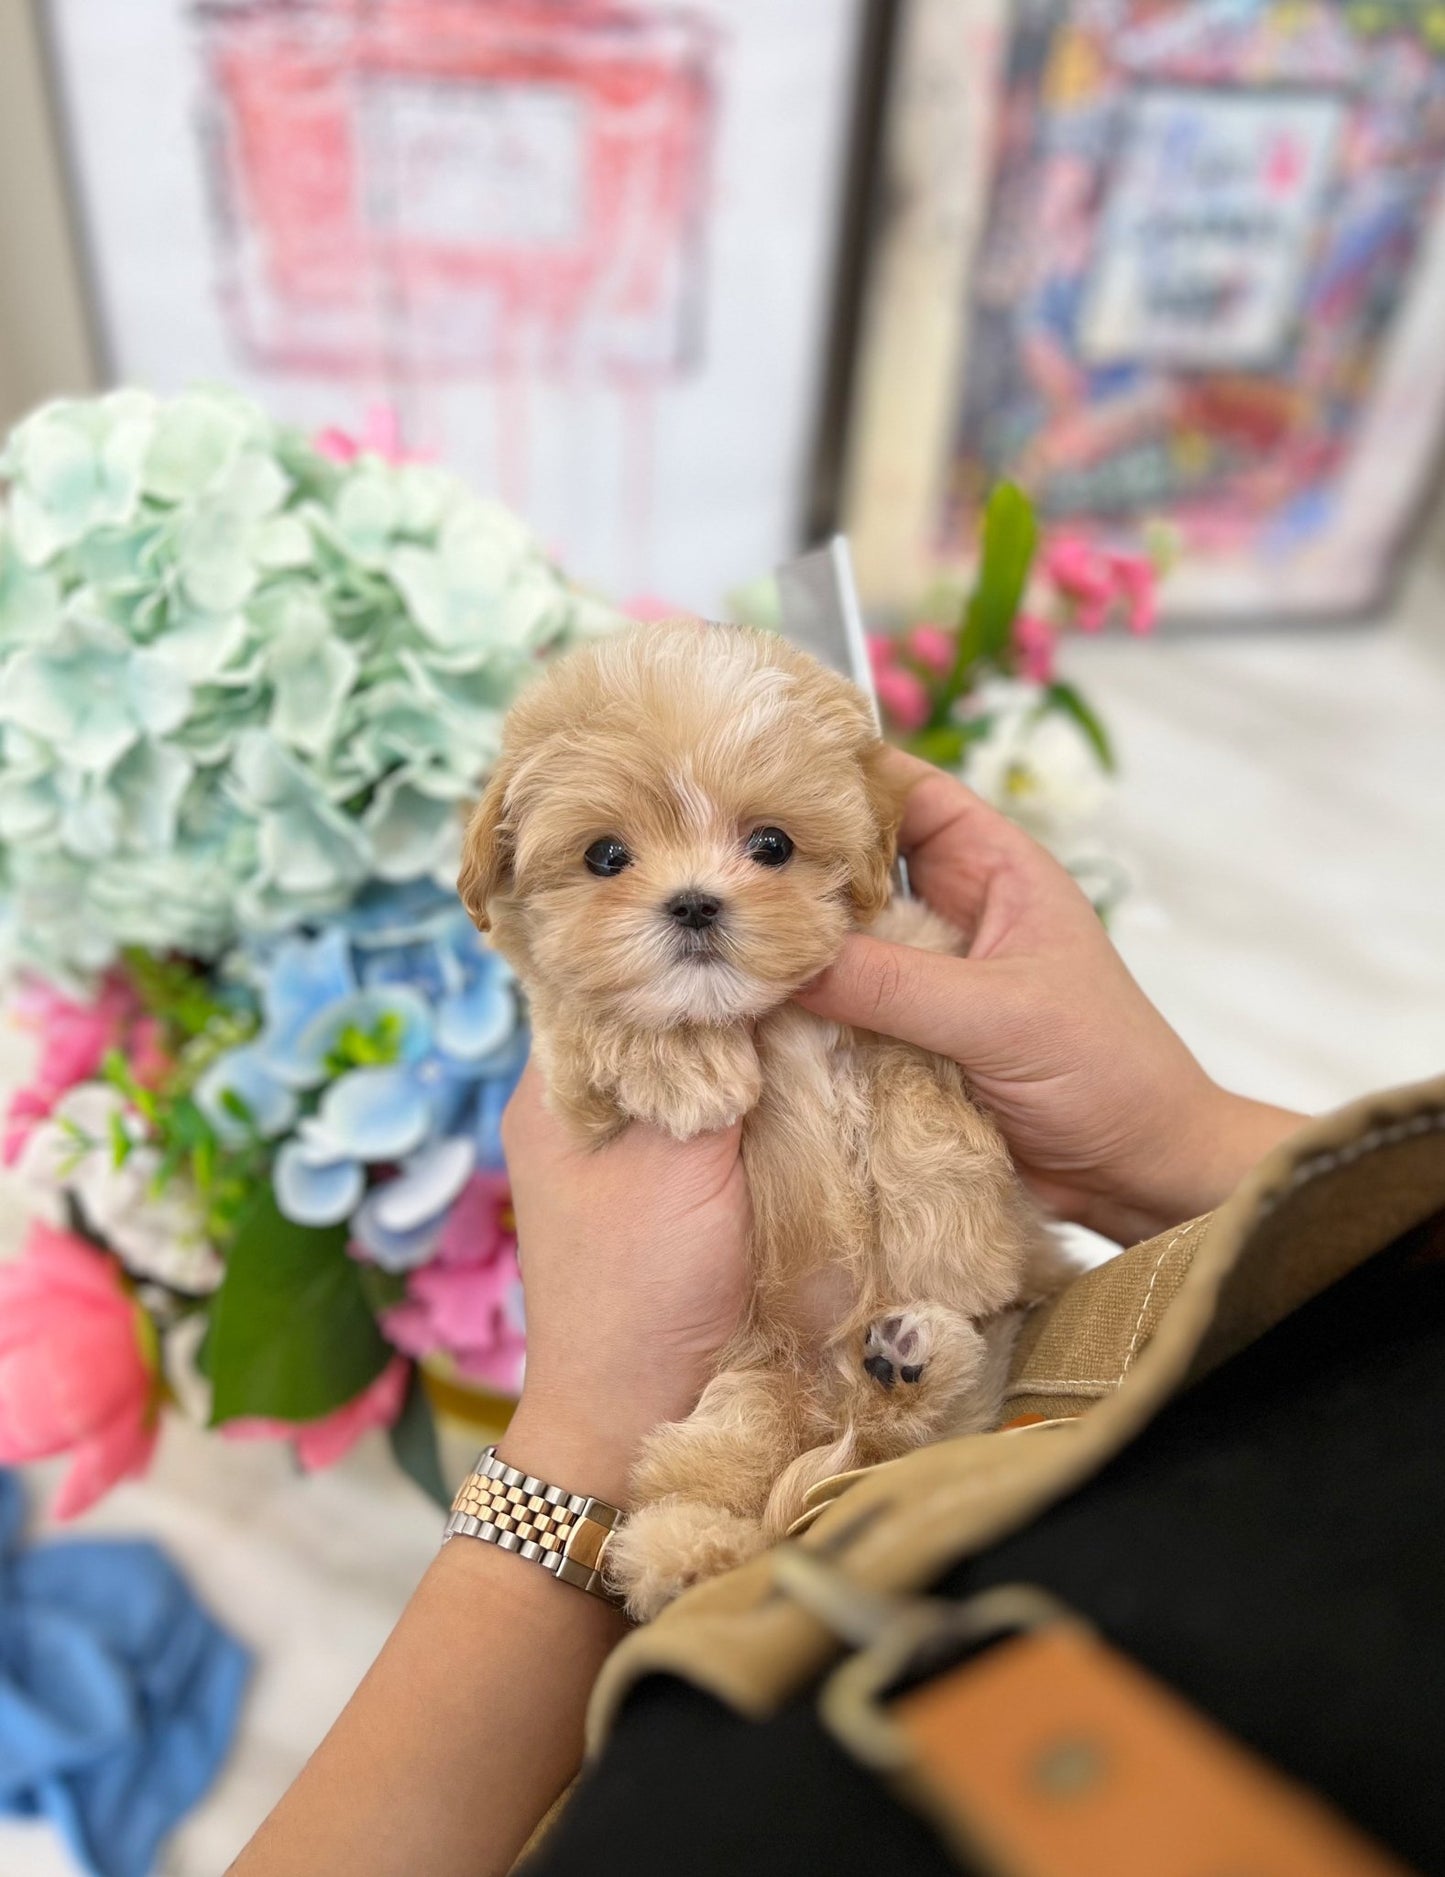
{"x": 607, "y": 856}
{"x": 769, "y": 847}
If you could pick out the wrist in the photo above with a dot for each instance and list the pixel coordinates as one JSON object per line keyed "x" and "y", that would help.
{"x": 569, "y": 1445}
{"x": 1210, "y": 1143}
{"x": 597, "y": 1419}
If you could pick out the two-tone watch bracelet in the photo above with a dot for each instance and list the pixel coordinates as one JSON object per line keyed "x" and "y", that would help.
{"x": 565, "y": 1532}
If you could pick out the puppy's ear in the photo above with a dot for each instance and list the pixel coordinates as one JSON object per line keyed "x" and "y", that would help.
{"x": 834, "y": 702}
{"x": 486, "y": 851}
{"x": 872, "y": 881}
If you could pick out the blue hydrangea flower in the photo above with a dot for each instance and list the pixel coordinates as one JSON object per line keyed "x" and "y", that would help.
{"x": 389, "y": 1045}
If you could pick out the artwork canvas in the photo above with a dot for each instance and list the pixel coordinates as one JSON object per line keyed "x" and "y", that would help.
{"x": 1205, "y": 286}
{"x": 1207, "y": 236}
{"x": 583, "y": 248}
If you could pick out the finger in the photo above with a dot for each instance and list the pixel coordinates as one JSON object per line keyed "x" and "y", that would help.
{"x": 936, "y": 802}
{"x": 959, "y": 849}
{"x": 927, "y": 998}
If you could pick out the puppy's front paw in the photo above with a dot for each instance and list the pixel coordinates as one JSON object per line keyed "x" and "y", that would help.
{"x": 665, "y": 1548}
{"x": 692, "y": 1082}
{"x": 593, "y": 1117}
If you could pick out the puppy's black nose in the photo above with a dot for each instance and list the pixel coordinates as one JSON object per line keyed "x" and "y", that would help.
{"x": 694, "y": 910}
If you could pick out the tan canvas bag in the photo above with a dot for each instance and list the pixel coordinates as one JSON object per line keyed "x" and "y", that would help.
{"x": 1092, "y": 1367}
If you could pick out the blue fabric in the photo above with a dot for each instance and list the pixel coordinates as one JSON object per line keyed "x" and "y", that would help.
{"x": 118, "y": 1693}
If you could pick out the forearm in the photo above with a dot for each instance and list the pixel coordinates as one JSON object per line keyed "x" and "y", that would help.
{"x": 470, "y": 1721}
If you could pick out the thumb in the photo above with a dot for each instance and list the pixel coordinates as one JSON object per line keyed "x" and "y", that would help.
{"x": 920, "y": 997}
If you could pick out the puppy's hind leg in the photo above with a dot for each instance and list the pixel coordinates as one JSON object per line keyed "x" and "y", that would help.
{"x": 700, "y": 1488}
{"x": 919, "y": 1371}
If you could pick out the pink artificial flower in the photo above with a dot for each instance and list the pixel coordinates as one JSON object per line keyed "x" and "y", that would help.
{"x": 323, "y": 1442}
{"x": 904, "y": 697}
{"x": 77, "y": 1368}
{"x": 1096, "y": 579}
{"x": 882, "y": 653}
{"x": 380, "y": 435}
{"x": 145, "y": 1052}
{"x": 934, "y": 647}
{"x": 1082, "y": 573}
{"x": 464, "y": 1302}
{"x": 1136, "y": 581}
{"x": 75, "y": 1039}
{"x": 1091, "y": 615}
{"x": 1034, "y": 643}
{"x": 649, "y": 609}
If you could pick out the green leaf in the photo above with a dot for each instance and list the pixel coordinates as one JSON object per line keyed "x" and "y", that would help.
{"x": 188, "y": 1127}
{"x": 1067, "y": 701}
{"x": 943, "y": 744}
{"x": 1006, "y": 552}
{"x": 381, "y": 1289}
{"x": 203, "y": 1164}
{"x": 374, "y": 1048}
{"x": 120, "y": 1142}
{"x": 181, "y": 995}
{"x": 171, "y": 1161}
{"x": 292, "y": 1336}
{"x": 413, "y": 1438}
{"x": 237, "y": 1107}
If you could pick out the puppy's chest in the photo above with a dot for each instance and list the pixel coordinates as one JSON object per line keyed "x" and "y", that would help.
{"x": 805, "y": 1147}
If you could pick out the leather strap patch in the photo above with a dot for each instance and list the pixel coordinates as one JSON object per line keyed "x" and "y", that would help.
{"x": 1052, "y": 1756}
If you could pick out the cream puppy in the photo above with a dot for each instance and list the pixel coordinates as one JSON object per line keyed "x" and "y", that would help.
{"x": 684, "y": 824}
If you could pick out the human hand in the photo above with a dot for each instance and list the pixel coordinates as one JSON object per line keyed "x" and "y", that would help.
{"x": 634, "y": 1269}
{"x": 1109, "y": 1118}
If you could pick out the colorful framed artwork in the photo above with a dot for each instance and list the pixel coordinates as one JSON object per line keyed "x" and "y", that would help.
{"x": 1203, "y": 283}
{"x": 584, "y": 249}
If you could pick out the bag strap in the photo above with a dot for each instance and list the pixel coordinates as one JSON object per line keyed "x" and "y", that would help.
{"x": 1057, "y": 1756}
{"x": 1050, "y": 1754}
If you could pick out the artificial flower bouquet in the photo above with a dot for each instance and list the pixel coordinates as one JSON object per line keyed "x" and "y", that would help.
{"x": 248, "y": 685}
{"x": 984, "y": 696}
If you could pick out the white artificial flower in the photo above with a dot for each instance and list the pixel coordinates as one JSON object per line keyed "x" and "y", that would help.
{"x": 155, "y": 1234}
{"x": 1036, "y": 766}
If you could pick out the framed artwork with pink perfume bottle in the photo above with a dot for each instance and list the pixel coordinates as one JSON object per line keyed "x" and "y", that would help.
{"x": 1194, "y": 263}
{"x": 583, "y": 248}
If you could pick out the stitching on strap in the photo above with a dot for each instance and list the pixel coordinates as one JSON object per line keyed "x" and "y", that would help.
{"x": 1132, "y": 1350}
{"x": 1066, "y": 1386}
{"x": 1388, "y": 1134}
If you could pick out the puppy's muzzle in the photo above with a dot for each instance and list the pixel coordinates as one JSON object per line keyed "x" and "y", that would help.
{"x": 694, "y": 912}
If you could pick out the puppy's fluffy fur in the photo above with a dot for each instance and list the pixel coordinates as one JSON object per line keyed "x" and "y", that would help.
{"x": 890, "y": 1231}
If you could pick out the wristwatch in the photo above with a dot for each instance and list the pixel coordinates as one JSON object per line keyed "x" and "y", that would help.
{"x": 565, "y": 1532}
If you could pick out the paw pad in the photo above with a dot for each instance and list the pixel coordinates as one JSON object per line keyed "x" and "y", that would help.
{"x": 895, "y": 1349}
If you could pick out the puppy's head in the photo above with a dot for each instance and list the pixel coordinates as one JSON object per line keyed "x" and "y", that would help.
{"x": 684, "y": 823}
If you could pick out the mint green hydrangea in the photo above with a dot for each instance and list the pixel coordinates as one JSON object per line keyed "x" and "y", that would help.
{"x": 239, "y": 680}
